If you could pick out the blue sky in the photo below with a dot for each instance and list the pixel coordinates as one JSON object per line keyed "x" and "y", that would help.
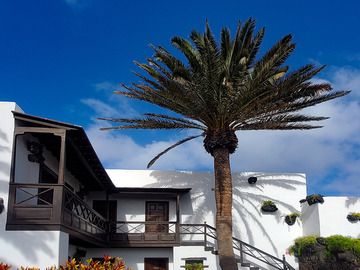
{"x": 63, "y": 58}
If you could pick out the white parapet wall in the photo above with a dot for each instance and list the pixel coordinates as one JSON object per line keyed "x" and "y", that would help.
{"x": 329, "y": 218}
{"x": 23, "y": 248}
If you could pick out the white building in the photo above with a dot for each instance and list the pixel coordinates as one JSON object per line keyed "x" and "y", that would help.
{"x": 60, "y": 202}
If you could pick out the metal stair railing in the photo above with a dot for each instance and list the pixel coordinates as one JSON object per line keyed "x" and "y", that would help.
{"x": 260, "y": 255}
{"x": 243, "y": 248}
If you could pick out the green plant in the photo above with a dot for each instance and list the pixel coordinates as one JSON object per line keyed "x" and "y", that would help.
{"x": 294, "y": 214}
{"x": 291, "y": 218}
{"x": 268, "y": 203}
{"x": 194, "y": 266}
{"x": 338, "y": 243}
{"x": 314, "y": 198}
{"x": 355, "y": 214}
{"x": 353, "y": 217}
{"x": 335, "y": 244}
{"x": 303, "y": 245}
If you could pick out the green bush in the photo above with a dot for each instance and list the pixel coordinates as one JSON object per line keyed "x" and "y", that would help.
{"x": 303, "y": 244}
{"x": 194, "y": 266}
{"x": 333, "y": 245}
{"x": 337, "y": 244}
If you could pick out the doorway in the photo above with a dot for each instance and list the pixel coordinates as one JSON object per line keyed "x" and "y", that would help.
{"x": 157, "y": 212}
{"x": 156, "y": 263}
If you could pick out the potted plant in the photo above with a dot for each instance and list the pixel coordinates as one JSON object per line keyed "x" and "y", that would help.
{"x": 313, "y": 198}
{"x": 252, "y": 180}
{"x": 268, "y": 206}
{"x": 353, "y": 217}
{"x": 291, "y": 218}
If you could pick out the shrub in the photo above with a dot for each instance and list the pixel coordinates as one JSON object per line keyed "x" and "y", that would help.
{"x": 107, "y": 263}
{"x": 337, "y": 244}
{"x": 303, "y": 245}
{"x": 4, "y": 266}
{"x": 333, "y": 245}
{"x": 194, "y": 266}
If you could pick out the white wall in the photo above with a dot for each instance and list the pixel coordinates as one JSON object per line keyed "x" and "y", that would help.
{"x": 268, "y": 232}
{"x": 134, "y": 257}
{"x": 23, "y": 248}
{"x": 331, "y": 217}
{"x": 195, "y": 252}
{"x": 28, "y": 172}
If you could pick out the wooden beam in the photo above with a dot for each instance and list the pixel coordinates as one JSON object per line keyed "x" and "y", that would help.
{"x": 85, "y": 163}
{"x": 62, "y": 162}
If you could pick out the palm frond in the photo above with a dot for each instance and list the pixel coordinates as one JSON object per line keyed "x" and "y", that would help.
{"x": 171, "y": 147}
{"x": 150, "y": 123}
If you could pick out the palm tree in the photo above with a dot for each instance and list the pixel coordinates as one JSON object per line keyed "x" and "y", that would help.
{"x": 220, "y": 89}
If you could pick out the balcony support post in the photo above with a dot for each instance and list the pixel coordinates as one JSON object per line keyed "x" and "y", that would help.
{"x": 62, "y": 161}
{"x": 177, "y": 217}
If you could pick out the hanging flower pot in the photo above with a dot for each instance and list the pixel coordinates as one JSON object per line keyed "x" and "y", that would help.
{"x": 268, "y": 206}
{"x": 314, "y": 198}
{"x": 252, "y": 180}
{"x": 291, "y": 218}
{"x": 353, "y": 217}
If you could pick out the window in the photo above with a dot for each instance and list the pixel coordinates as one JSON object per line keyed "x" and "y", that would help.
{"x": 194, "y": 263}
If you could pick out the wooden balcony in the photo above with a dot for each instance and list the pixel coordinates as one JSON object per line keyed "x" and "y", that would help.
{"x": 54, "y": 207}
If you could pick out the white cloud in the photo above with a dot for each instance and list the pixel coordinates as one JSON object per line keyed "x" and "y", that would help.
{"x": 121, "y": 151}
{"x": 101, "y": 108}
{"x": 106, "y": 86}
{"x": 318, "y": 153}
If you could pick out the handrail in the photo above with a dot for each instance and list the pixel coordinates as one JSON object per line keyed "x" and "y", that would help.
{"x": 241, "y": 246}
{"x": 142, "y": 226}
{"x": 146, "y": 222}
{"x": 75, "y": 205}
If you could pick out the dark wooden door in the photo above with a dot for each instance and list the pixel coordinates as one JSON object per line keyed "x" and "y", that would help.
{"x": 157, "y": 212}
{"x": 156, "y": 263}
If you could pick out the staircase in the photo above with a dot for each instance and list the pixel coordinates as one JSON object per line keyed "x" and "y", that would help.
{"x": 242, "y": 250}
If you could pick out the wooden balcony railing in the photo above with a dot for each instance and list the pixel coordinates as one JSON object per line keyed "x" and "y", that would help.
{"x": 34, "y": 204}
{"x": 144, "y": 233}
{"x": 76, "y": 214}
{"x": 50, "y": 207}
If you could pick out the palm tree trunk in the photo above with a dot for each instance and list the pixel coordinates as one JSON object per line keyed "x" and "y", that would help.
{"x": 223, "y": 199}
